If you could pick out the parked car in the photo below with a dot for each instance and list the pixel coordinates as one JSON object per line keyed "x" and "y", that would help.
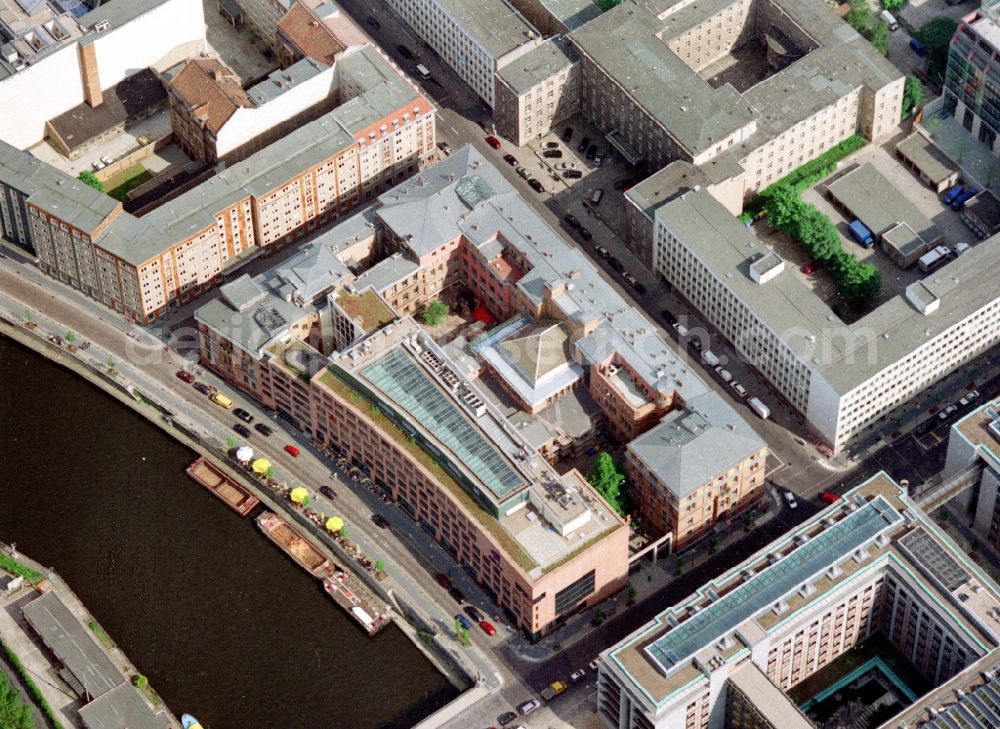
{"x": 203, "y": 388}
{"x": 510, "y": 159}
{"x": 487, "y": 627}
{"x": 947, "y": 412}
{"x": 528, "y": 706}
{"x": 373, "y": 22}
{"x": 405, "y": 52}
{"x": 552, "y": 153}
{"x": 550, "y": 145}
{"x": 960, "y": 248}
{"x": 595, "y": 663}
{"x": 616, "y": 264}
{"x": 506, "y": 718}
{"x": 639, "y": 288}
{"x": 668, "y": 317}
{"x": 739, "y": 389}
{"x": 380, "y": 521}
{"x": 810, "y": 268}
{"x": 790, "y": 498}
{"x": 442, "y": 579}
{"x": 630, "y": 279}
{"x": 242, "y": 430}
{"x": 582, "y": 146}
{"x": 473, "y": 612}
{"x": 263, "y": 429}
{"x": 682, "y": 331}
{"x": 493, "y": 141}
{"x": 571, "y": 220}
{"x": 602, "y": 251}
{"x": 444, "y": 147}
{"x": 577, "y": 676}
{"x": 725, "y": 374}
{"x": 524, "y": 172}
{"x": 585, "y": 234}
{"x": 535, "y": 185}
{"x": 695, "y": 344}
{"x": 221, "y": 400}
{"x": 292, "y": 451}
{"x": 622, "y": 184}
{"x": 567, "y": 135}
{"x": 591, "y": 152}
{"x": 463, "y": 621}
{"x": 186, "y": 376}
{"x": 973, "y": 395}
{"x": 328, "y": 492}
{"x": 598, "y": 159}
{"x": 243, "y": 415}
{"x": 829, "y": 497}
{"x": 919, "y": 48}
{"x": 572, "y": 174}
{"x": 565, "y": 165}
{"x": 457, "y": 595}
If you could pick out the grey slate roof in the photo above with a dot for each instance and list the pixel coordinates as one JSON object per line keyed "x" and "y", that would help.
{"x": 493, "y": 24}
{"x": 623, "y": 42}
{"x": 692, "y": 446}
{"x": 72, "y": 644}
{"x": 846, "y": 356}
{"x": 122, "y": 708}
{"x": 283, "y": 79}
{"x": 541, "y": 62}
{"x": 879, "y": 204}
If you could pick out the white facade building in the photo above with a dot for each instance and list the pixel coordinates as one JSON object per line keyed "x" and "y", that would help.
{"x": 474, "y": 38}
{"x": 841, "y": 377}
{"x": 106, "y": 45}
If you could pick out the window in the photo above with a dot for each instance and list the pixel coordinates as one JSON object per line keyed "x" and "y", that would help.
{"x": 572, "y": 594}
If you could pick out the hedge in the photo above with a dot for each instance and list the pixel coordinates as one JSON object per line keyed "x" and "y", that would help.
{"x": 36, "y": 693}
{"x": 11, "y": 565}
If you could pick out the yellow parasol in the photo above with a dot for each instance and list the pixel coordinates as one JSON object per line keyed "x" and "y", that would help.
{"x": 334, "y": 524}
{"x": 261, "y": 465}
{"x": 299, "y": 494}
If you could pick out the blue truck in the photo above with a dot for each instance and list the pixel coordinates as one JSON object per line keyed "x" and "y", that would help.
{"x": 967, "y": 194}
{"x": 861, "y": 234}
{"x": 952, "y": 192}
{"x": 919, "y": 48}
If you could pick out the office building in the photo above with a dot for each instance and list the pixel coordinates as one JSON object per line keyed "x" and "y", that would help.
{"x": 570, "y": 353}
{"x": 973, "y": 463}
{"x": 52, "y": 61}
{"x": 871, "y": 570}
{"x": 476, "y": 39}
{"x": 972, "y": 81}
{"x": 841, "y": 377}
{"x": 381, "y": 132}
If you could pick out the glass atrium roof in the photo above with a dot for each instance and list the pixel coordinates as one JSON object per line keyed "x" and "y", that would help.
{"x": 403, "y": 381}
{"x": 771, "y": 584}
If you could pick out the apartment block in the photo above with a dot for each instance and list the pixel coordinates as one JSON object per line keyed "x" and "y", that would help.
{"x": 973, "y": 465}
{"x": 536, "y": 91}
{"x": 381, "y": 132}
{"x": 337, "y": 319}
{"x": 56, "y": 59}
{"x": 697, "y": 466}
{"x": 971, "y": 90}
{"x": 872, "y": 565}
{"x": 475, "y": 39}
{"x": 841, "y": 377}
{"x": 768, "y": 84}
{"x": 263, "y": 16}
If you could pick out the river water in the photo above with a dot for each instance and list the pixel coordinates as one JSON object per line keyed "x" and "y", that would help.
{"x": 224, "y": 625}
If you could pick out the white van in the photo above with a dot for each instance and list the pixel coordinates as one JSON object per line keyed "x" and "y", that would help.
{"x": 595, "y": 199}
{"x": 423, "y": 71}
{"x": 758, "y": 407}
{"x": 709, "y": 358}
{"x": 889, "y": 20}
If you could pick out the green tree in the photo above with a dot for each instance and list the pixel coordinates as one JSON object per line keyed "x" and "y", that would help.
{"x": 380, "y": 565}
{"x": 607, "y": 480}
{"x": 859, "y": 16}
{"x": 434, "y": 313}
{"x": 111, "y": 362}
{"x": 28, "y": 315}
{"x": 70, "y": 336}
{"x": 14, "y": 713}
{"x": 343, "y": 531}
{"x": 89, "y": 178}
{"x": 936, "y": 34}
{"x": 880, "y": 37}
{"x": 893, "y": 4}
{"x": 269, "y": 472}
{"x": 140, "y": 682}
{"x": 913, "y": 94}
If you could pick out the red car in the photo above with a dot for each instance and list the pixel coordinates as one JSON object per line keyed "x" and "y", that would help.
{"x": 292, "y": 450}
{"x": 186, "y": 376}
{"x": 810, "y": 268}
{"x": 829, "y": 497}
{"x": 487, "y": 627}
{"x": 493, "y": 142}
{"x": 442, "y": 579}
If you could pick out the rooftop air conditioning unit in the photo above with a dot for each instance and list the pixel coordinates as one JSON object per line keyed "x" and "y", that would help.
{"x": 102, "y": 25}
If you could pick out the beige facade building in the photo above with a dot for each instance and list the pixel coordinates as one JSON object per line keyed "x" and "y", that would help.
{"x": 871, "y": 565}
{"x": 316, "y": 334}
{"x": 381, "y": 132}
